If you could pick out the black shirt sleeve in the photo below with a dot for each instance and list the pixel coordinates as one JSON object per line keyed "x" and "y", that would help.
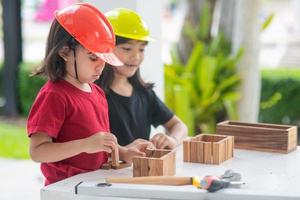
{"x": 161, "y": 114}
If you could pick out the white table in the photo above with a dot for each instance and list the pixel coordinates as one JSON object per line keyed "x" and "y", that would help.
{"x": 268, "y": 176}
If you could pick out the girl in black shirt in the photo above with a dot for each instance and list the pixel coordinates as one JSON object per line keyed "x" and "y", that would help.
{"x": 133, "y": 105}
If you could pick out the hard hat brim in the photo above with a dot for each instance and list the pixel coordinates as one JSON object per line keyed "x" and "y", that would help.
{"x": 136, "y": 37}
{"x": 109, "y": 58}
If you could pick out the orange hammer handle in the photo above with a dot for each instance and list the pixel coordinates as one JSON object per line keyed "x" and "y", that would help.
{"x": 153, "y": 180}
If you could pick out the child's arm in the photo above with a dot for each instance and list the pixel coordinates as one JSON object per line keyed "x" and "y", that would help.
{"x": 176, "y": 132}
{"x": 43, "y": 149}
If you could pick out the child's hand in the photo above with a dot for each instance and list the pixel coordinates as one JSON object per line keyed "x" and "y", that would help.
{"x": 127, "y": 153}
{"x": 162, "y": 141}
{"x": 100, "y": 142}
{"x": 141, "y": 141}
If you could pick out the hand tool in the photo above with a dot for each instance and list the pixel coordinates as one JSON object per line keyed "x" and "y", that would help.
{"x": 210, "y": 183}
{"x": 213, "y": 183}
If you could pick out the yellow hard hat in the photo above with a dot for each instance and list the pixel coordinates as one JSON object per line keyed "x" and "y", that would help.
{"x": 127, "y": 23}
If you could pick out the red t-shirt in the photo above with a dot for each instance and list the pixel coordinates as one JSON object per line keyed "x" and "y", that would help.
{"x": 66, "y": 113}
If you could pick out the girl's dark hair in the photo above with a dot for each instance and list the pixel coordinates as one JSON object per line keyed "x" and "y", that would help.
{"x": 107, "y": 75}
{"x": 53, "y": 66}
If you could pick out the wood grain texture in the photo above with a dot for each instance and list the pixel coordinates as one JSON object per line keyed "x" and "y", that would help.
{"x": 156, "y": 180}
{"x": 158, "y": 162}
{"x": 208, "y": 149}
{"x": 186, "y": 151}
{"x": 260, "y": 136}
{"x": 115, "y": 158}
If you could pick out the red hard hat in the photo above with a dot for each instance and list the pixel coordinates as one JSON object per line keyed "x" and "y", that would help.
{"x": 91, "y": 29}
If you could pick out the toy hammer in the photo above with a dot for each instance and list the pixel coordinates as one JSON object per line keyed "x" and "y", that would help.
{"x": 210, "y": 183}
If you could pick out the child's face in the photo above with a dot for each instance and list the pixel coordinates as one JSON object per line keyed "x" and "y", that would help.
{"x": 89, "y": 66}
{"x": 132, "y": 55}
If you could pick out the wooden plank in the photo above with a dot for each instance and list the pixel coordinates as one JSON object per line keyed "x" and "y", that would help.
{"x": 144, "y": 167}
{"x": 200, "y": 153}
{"x": 207, "y": 152}
{"x": 225, "y": 152}
{"x": 261, "y": 137}
{"x": 193, "y": 151}
{"x": 230, "y": 146}
{"x": 136, "y": 166}
{"x": 222, "y": 151}
{"x": 169, "y": 164}
{"x": 172, "y": 164}
{"x": 186, "y": 151}
{"x": 155, "y": 167}
{"x": 292, "y": 139}
{"x": 115, "y": 158}
{"x": 216, "y": 153}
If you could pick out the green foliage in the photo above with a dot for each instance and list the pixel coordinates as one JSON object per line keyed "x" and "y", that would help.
{"x": 203, "y": 89}
{"x": 1, "y": 87}
{"x": 13, "y": 142}
{"x": 280, "y": 96}
{"x": 267, "y": 22}
{"x": 28, "y": 87}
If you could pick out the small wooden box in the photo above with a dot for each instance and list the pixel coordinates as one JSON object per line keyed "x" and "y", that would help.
{"x": 260, "y": 137}
{"x": 158, "y": 162}
{"x": 208, "y": 149}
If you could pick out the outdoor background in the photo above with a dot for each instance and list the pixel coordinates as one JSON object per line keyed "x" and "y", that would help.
{"x": 219, "y": 60}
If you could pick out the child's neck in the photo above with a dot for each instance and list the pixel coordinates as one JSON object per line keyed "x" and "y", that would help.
{"x": 75, "y": 82}
{"x": 122, "y": 86}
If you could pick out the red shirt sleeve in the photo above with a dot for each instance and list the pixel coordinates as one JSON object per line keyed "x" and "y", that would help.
{"x": 47, "y": 114}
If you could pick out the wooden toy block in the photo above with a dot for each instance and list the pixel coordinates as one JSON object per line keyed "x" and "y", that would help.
{"x": 115, "y": 158}
{"x": 260, "y": 136}
{"x": 208, "y": 149}
{"x": 115, "y": 162}
{"x": 158, "y": 162}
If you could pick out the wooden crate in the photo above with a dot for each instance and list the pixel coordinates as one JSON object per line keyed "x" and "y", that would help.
{"x": 158, "y": 162}
{"x": 260, "y": 137}
{"x": 208, "y": 149}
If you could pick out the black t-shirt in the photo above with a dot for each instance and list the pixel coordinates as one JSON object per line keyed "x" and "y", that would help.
{"x": 131, "y": 117}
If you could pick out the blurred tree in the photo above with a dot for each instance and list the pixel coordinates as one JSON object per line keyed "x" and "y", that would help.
{"x": 238, "y": 21}
{"x": 202, "y": 90}
{"x": 12, "y": 54}
{"x": 192, "y": 18}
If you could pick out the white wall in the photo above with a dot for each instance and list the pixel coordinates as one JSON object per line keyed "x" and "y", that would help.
{"x": 245, "y": 35}
{"x": 150, "y": 11}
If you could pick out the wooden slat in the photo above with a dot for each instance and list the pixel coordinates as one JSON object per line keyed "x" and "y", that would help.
{"x": 216, "y": 154}
{"x": 200, "y": 153}
{"x": 186, "y": 151}
{"x": 136, "y": 166}
{"x": 207, "y": 152}
{"x": 193, "y": 151}
{"x": 155, "y": 167}
{"x": 144, "y": 167}
{"x": 115, "y": 157}
{"x": 169, "y": 163}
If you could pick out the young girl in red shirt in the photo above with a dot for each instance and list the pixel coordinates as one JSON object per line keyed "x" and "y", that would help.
{"x": 68, "y": 123}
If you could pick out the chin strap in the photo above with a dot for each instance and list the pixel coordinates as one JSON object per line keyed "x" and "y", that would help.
{"x": 75, "y": 64}
{"x": 73, "y": 48}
